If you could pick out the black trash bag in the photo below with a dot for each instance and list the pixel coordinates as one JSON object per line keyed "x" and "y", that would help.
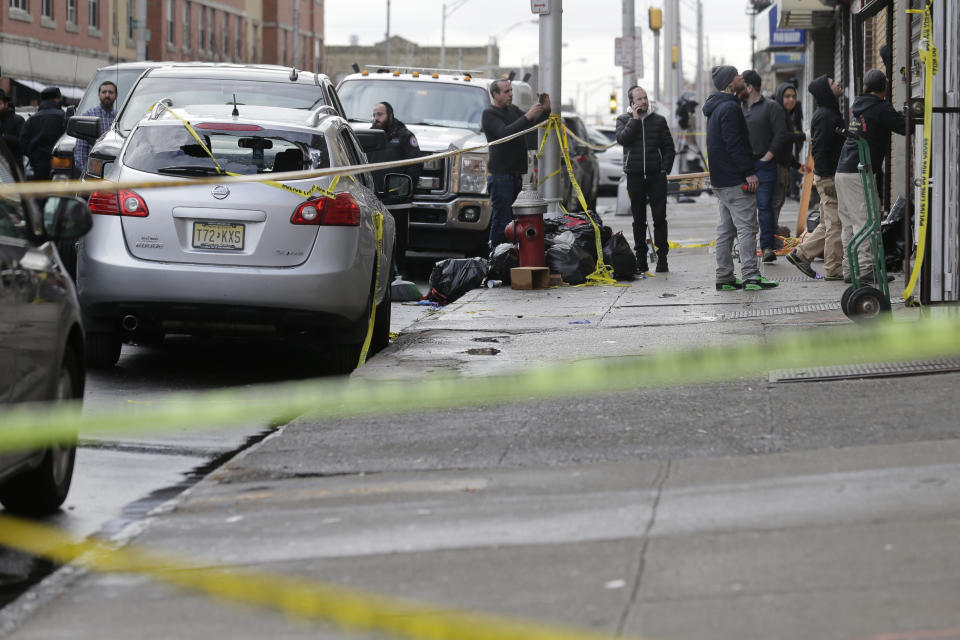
{"x": 585, "y": 237}
{"x": 453, "y": 277}
{"x": 891, "y": 229}
{"x": 503, "y": 258}
{"x": 813, "y": 220}
{"x": 618, "y": 254}
{"x": 571, "y": 262}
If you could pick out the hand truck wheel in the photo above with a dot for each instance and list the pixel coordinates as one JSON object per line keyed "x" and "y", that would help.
{"x": 866, "y": 303}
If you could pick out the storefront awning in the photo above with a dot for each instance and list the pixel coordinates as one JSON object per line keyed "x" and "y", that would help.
{"x": 72, "y": 93}
{"x": 803, "y": 14}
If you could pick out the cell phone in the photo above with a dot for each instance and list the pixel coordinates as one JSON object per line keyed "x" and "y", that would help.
{"x": 542, "y": 97}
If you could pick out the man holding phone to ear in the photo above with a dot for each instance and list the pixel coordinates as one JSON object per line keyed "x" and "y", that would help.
{"x": 648, "y": 154}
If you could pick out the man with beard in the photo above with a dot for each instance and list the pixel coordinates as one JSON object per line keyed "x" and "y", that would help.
{"x": 401, "y": 145}
{"x": 105, "y": 111}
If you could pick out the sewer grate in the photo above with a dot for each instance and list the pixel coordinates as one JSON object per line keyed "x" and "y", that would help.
{"x": 872, "y": 370}
{"x": 782, "y": 311}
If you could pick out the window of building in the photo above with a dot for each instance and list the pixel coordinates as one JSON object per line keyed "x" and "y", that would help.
{"x": 71, "y": 11}
{"x": 225, "y": 38}
{"x": 211, "y": 26}
{"x": 201, "y": 32}
{"x": 238, "y": 37}
{"x": 46, "y": 9}
{"x": 283, "y": 51}
{"x": 131, "y": 19}
{"x": 22, "y": 5}
{"x": 94, "y": 14}
{"x": 170, "y": 34}
{"x": 256, "y": 43}
{"x": 187, "y": 36}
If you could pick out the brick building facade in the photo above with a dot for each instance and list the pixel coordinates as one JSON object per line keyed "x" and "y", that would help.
{"x": 63, "y": 42}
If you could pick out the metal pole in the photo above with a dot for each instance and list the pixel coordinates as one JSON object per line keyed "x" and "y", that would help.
{"x": 388, "y": 33}
{"x": 550, "y": 63}
{"x": 656, "y": 65}
{"x": 141, "y": 29}
{"x": 629, "y": 73}
{"x": 296, "y": 33}
{"x": 443, "y": 38}
{"x": 700, "y": 94}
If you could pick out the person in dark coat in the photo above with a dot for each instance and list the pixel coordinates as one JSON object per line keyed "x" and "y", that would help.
{"x": 734, "y": 181}
{"x": 874, "y": 119}
{"x": 508, "y": 161}
{"x": 11, "y": 125}
{"x": 786, "y": 155}
{"x": 42, "y": 131}
{"x": 401, "y": 145}
{"x": 825, "y": 145}
{"x": 648, "y": 154}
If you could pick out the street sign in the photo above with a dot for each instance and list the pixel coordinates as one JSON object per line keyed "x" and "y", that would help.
{"x": 623, "y": 53}
{"x": 540, "y": 7}
{"x": 638, "y": 52}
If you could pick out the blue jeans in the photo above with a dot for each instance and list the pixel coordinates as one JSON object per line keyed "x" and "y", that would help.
{"x": 767, "y": 174}
{"x": 503, "y": 189}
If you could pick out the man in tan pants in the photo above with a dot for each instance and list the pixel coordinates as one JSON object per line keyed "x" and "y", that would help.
{"x": 825, "y": 145}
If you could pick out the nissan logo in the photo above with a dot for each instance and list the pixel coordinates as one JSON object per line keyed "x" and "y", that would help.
{"x": 220, "y": 191}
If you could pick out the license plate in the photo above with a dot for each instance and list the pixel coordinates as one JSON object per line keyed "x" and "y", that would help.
{"x": 214, "y": 235}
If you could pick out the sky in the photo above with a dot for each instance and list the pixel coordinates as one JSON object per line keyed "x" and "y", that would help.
{"x": 589, "y": 29}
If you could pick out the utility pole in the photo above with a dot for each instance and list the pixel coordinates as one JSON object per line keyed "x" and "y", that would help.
{"x": 656, "y": 23}
{"x": 296, "y": 33}
{"x": 551, "y": 37}
{"x": 629, "y": 73}
{"x": 701, "y": 95}
{"x": 141, "y": 29}
{"x": 673, "y": 63}
{"x": 388, "y": 33}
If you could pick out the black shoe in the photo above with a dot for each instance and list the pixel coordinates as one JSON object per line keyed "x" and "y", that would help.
{"x": 662, "y": 265}
{"x": 834, "y": 277}
{"x": 730, "y": 285}
{"x": 758, "y": 283}
{"x": 847, "y": 279}
{"x": 794, "y": 258}
{"x": 769, "y": 255}
{"x": 642, "y": 267}
{"x": 869, "y": 279}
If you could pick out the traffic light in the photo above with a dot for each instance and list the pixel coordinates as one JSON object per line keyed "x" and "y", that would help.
{"x": 656, "y": 19}
{"x": 613, "y": 103}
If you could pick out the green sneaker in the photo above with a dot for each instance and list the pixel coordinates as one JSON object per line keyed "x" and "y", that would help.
{"x": 758, "y": 283}
{"x": 730, "y": 286}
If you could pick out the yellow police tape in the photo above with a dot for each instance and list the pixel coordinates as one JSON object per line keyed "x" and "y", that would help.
{"x": 350, "y": 609}
{"x": 930, "y": 59}
{"x": 365, "y": 349}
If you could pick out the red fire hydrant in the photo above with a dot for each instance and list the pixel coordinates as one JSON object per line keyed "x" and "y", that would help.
{"x": 527, "y": 229}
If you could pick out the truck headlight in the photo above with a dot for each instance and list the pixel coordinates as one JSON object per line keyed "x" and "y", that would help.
{"x": 473, "y": 173}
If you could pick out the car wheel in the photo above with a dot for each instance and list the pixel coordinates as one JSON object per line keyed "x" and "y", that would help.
{"x": 103, "y": 350}
{"x": 42, "y": 490}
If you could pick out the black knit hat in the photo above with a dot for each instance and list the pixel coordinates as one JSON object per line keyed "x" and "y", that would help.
{"x": 50, "y": 93}
{"x": 723, "y": 76}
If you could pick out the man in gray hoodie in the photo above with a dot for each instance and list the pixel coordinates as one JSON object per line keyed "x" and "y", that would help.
{"x": 766, "y": 123}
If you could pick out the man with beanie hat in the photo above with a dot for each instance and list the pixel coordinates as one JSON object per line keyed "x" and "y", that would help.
{"x": 873, "y": 119}
{"x": 42, "y": 131}
{"x": 734, "y": 182}
{"x": 767, "y": 124}
{"x": 825, "y": 145}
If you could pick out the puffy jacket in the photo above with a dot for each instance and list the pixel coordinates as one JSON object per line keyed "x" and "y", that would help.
{"x": 728, "y": 142}
{"x": 647, "y": 144}
{"x": 873, "y": 118}
{"x": 794, "y": 137}
{"x": 825, "y": 142}
{"x": 40, "y": 133}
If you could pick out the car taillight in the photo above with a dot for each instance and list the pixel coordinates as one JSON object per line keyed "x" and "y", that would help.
{"x": 121, "y": 203}
{"x": 340, "y": 211}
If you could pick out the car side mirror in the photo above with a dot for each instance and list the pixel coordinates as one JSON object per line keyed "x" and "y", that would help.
{"x": 66, "y": 218}
{"x": 84, "y": 128}
{"x": 371, "y": 139}
{"x": 397, "y": 189}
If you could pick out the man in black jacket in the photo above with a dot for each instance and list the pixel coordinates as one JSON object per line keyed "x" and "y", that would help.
{"x": 42, "y": 131}
{"x": 647, "y": 157}
{"x": 825, "y": 145}
{"x": 734, "y": 182}
{"x": 10, "y": 126}
{"x": 508, "y": 161}
{"x": 401, "y": 145}
{"x": 873, "y": 119}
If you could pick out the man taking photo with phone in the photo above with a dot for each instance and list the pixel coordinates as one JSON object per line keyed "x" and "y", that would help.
{"x": 647, "y": 158}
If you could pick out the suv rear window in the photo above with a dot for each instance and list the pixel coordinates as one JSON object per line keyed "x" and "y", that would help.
{"x": 171, "y": 150}
{"x": 417, "y": 101}
{"x": 189, "y": 91}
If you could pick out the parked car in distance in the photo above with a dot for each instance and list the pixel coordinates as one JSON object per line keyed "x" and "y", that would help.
{"x": 41, "y": 336}
{"x": 239, "y": 258}
{"x": 609, "y": 161}
{"x": 586, "y": 168}
{"x": 123, "y": 75}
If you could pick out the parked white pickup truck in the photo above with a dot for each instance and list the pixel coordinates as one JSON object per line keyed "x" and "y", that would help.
{"x": 451, "y": 209}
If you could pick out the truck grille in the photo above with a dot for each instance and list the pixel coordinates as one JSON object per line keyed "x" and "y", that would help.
{"x": 432, "y": 216}
{"x": 433, "y": 178}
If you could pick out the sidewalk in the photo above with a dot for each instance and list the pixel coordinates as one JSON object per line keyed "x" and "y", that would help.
{"x": 726, "y": 511}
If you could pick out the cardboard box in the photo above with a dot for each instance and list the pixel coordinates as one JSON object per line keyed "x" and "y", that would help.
{"x": 530, "y": 278}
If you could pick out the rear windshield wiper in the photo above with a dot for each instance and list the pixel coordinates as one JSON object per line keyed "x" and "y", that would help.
{"x": 190, "y": 170}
